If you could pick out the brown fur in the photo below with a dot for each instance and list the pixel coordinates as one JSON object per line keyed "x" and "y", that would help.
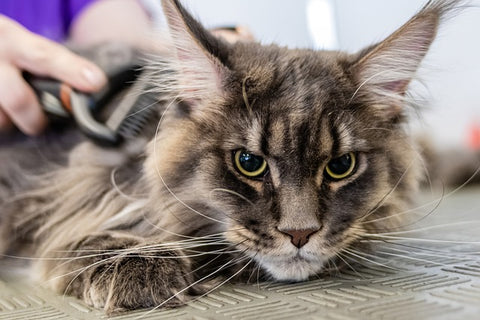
{"x": 149, "y": 223}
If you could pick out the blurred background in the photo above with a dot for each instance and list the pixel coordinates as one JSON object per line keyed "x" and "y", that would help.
{"x": 451, "y": 71}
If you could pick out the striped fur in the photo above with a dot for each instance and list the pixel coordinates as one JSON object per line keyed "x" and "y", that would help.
{"x": 154, "y": 222}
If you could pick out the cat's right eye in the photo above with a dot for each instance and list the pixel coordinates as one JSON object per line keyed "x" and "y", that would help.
{"x": 248, "y": 164}
{"x": 341, "y": 167}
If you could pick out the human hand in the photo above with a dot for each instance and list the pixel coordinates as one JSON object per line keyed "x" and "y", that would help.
{"x": 232, "y": 35}
{"x": 21, "y": 50}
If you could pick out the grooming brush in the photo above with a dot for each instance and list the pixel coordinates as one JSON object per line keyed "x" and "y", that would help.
{"x": 126, "y": 120}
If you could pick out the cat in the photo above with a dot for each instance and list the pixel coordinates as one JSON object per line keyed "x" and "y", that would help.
{"x": 259, "y": 157}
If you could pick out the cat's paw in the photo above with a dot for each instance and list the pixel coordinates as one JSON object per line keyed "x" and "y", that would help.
{"x": 140, "y": 281}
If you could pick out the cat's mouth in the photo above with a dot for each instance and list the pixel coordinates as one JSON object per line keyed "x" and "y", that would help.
{"x": 297, "y": 267}
{"x": 282, "y": 262}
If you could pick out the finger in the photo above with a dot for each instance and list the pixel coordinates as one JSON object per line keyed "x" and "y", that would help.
{"x": 53, "y": 60}
{"x": 5, "y": 123}
{"x": 244, "y": 33}
{"x": 47, "y": 58}
{"x": 19, "y": 102}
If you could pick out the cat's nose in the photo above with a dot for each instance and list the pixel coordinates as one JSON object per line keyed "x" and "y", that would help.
{"x": 299, "y": 237}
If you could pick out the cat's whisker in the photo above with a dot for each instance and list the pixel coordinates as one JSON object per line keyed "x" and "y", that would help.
{"x": 341, "y": 257}
{"x": 408, "y": 239}
{"x": 326, "y": 268}
{"x": 95, "y": 253}
{"x": 121, "y": 255}
{"x": 409, "y": 257}
{"x": 187, "y": 237}
{"x": 232, "y": 245}
{"x": 359, "y": 255}
{"x": 155, "y": 151}
{"x": 193, "y": 241}
{"x": 461, "y": 257}
{"x": 139, "y": 92}
{"x": 414, "y": 248}
{"x": 435, "y": 202}
{"x": 363, "y": 253}
{"x": 385, "y": 197}
{"x": 118, "y": 188}
{"x": 199, "y": 281}
{"x": 334, "y": 270}
{"x": 426, "y": 173}
{"x": 33, "y": 258}
{"x": 168, "y": 209}
{"x": 390, "y": 192}
{"x": 389, "y": 95}
{"x": 234, "y": 193}
{"x": 166, "y": 245}
{"x": 164, "y": 249}
{"x": 184, "y": 256}
{"x": 337, "y": 269}
{"x": 404, "y": 226}
{"x": 76, "y": 272}
{"x": 258, "y": 274}
{"x": 229, "y": 278}
{"x": 67, "y": 259}
{"x": 79, "y": 271}
{"x": 103, "y": 274}
{"x": 200, "y": 239}
{"x": 147, "y": 220}
{"x": 154, "y": 248}
{"x": 440, "y": 226}
{"x": 252, "y": 272}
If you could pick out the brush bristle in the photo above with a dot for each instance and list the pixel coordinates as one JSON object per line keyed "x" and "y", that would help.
{"x": 139, "y": 115}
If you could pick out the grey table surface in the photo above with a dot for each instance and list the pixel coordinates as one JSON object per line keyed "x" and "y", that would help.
{"x": 413, "y": 279}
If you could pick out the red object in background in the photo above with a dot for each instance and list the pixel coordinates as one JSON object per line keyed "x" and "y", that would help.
{"x": 474, "y": 136}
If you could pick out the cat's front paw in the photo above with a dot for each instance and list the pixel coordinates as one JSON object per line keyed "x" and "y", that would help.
{"x": 140, "y": 281}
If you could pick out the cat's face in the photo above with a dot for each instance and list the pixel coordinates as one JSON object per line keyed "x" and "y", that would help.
{"x": 264, "y": 172}
{"x": 291, "y": 155}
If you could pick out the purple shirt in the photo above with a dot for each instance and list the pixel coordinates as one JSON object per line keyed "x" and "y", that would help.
{"x": 49, "y": 18}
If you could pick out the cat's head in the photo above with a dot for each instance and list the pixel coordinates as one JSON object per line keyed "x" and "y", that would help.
{"x": 295, "y": 154}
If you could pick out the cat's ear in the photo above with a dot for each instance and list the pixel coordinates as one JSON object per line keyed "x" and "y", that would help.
{"x": 199, "y": 55}
{"x": 384, "y": 71}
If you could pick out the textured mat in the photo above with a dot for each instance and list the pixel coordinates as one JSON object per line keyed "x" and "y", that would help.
{"x": 411, "y": 279}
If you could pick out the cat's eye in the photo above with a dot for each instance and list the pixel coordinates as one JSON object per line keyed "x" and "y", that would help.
{"x": 341, "y": 167}
{"x": 248, "y": 164}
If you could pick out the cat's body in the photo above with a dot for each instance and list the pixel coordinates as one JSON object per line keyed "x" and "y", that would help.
{"x": 277, "y": 158}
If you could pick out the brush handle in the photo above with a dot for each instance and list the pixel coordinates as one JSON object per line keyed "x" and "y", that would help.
{"x": 59, "y": 100}
{"x": 122, "y": 67}
{"x": 54, "y": 97}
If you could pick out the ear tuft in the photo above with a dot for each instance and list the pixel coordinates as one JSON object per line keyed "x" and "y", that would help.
{"x": 384, "y": 71}
{"x": 198, "y": 62}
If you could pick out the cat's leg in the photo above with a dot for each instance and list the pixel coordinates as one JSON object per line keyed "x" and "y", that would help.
{"x": 8, "y": 237}
{"x": 5, "y": 215}
{"x": 4, "y": 235}
{"x": 120, "y": 272}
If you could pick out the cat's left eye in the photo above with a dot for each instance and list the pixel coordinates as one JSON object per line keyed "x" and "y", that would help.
{"x": 249, "y": 164}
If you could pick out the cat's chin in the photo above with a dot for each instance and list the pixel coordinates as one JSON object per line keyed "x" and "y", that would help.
{"x": 291, "y": 269}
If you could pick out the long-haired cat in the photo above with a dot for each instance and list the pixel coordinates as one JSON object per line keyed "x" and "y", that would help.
{"x": 262, "y": 156}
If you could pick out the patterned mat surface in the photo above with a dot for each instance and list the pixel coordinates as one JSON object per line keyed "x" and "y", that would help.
{"x": 411, "y": 279}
